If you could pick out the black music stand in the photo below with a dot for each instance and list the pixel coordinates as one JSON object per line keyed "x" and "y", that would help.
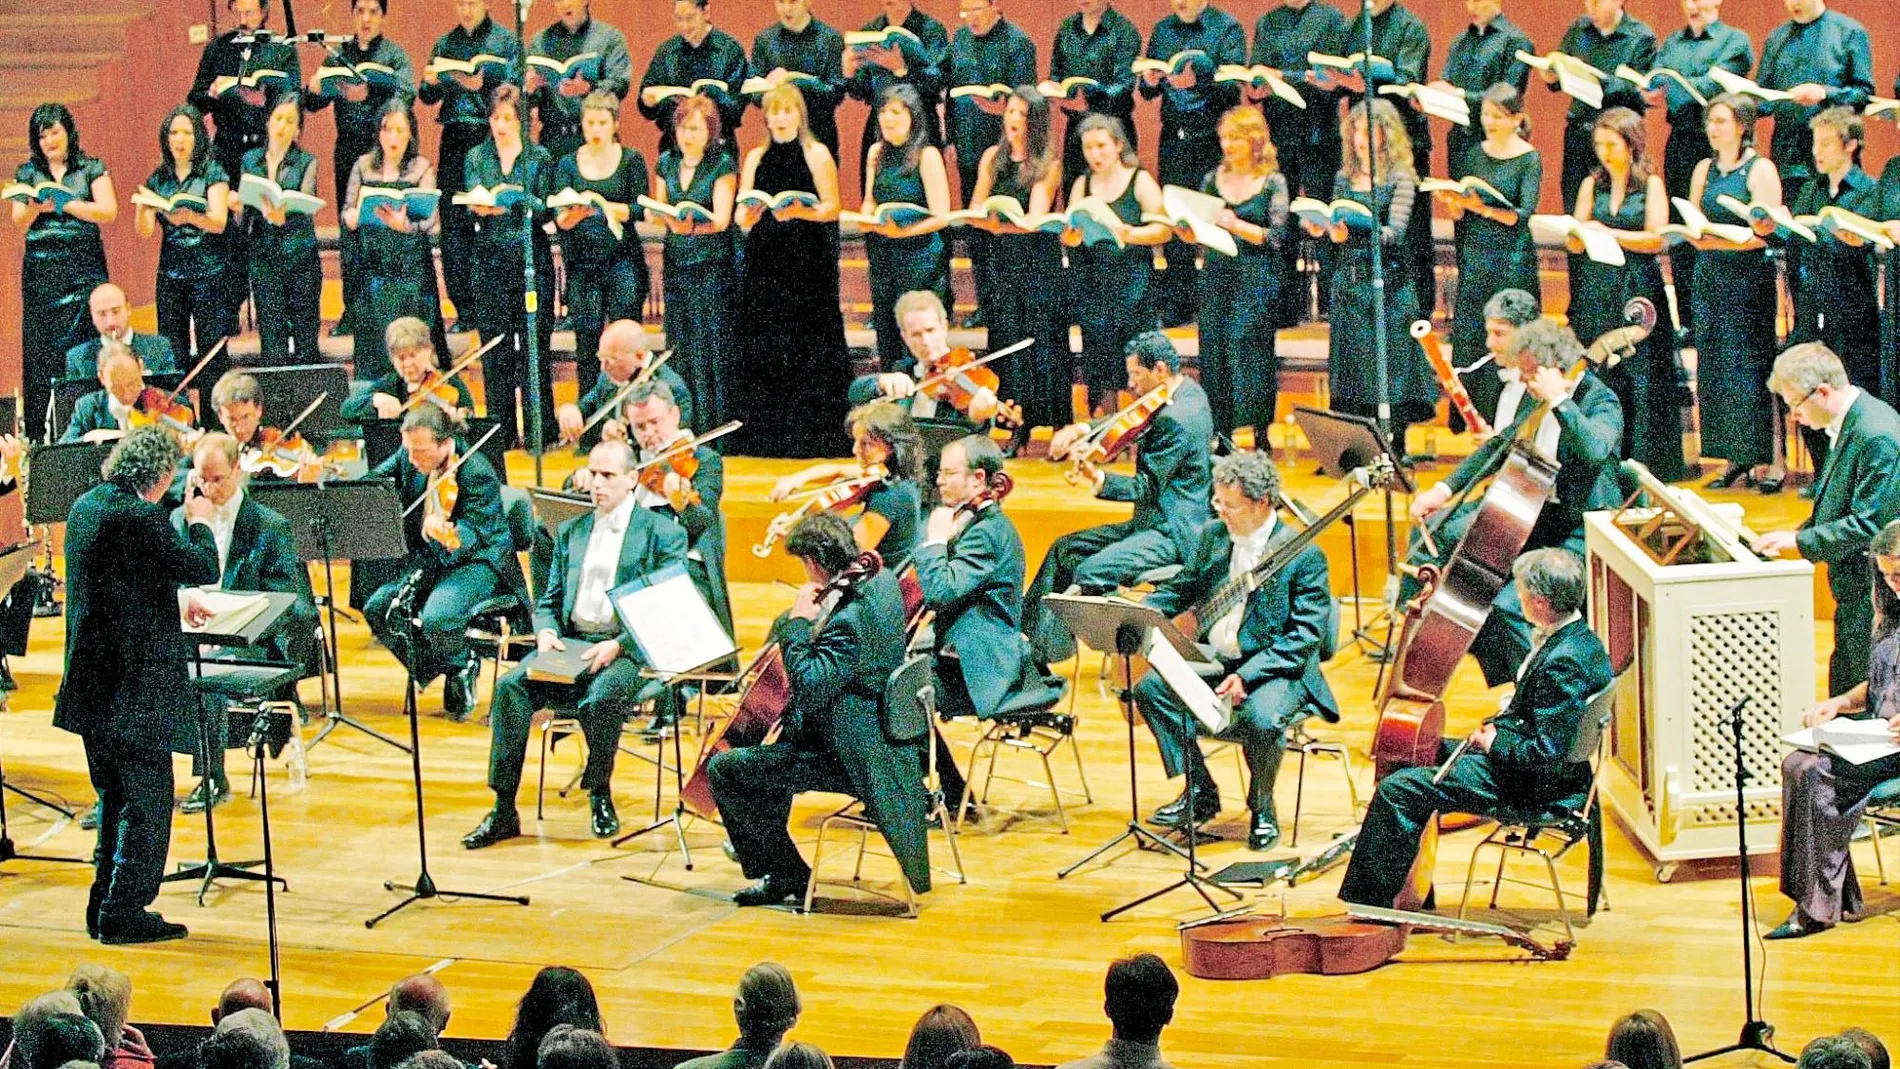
{"x": 292, "y": 387}
{"x": 1342, "y": 442}
{"x": 355, "y": 520}
{"x": 1112, "y": 625}
{"x": 14, "y": 562}
{"x": 259, "y": 743}
{"x": 61, "y": 474}
{"x": 556, "y": 508}
{"x": 226, "y": 679}
{"x": 680, "y": 814}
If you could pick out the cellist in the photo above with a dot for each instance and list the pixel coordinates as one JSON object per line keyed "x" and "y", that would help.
{"x": 1582, "y": 432}
{"x": 1171, "y": 490}
{"x": 1518, "y": 759}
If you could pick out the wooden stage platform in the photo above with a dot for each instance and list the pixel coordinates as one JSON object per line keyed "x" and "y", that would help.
{"x": 1021, "y": 949}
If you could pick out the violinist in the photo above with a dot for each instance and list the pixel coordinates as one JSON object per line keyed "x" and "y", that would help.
{"x": 926, "y": 334}
{"x": 1519, "y": 759}
{"x": 110, "y": 411}
{"x": 1170, "y": 491}
{"x": 1268, "y": 649}
{"x": 625, "y": 352}
{"x": 413, "y": 353}
{"x": 112, "y": 318}
{"x": 255, "y": 552}
{"x": 692, "y": 499}
{"x": 970, "y": 567}
{"x": 883, "y": 440}
{"x": 594, "y": 553}
{"x": 463, "y": 552}
{"x": 239, "y": 403}
{"x": 841, "y": 644}
{"x": 1576, "y": 421}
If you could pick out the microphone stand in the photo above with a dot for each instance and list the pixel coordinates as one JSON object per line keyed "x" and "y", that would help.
{"x": 530, "y": 294}
{"x": 1757, "y": 1034}
{"x": 1380, "y": 352}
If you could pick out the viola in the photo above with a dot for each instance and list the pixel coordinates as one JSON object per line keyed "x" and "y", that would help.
{"x": 766, "y": 695}
{"x": 831, "y": 497}
{"x": 1108, "y": 438}
{"x": 612, "y": 404}
{"x": 438, "y": 387}
{"x": 681, "y": 459}
{"x": 1448, "y": 378}
{"x": 961, "y": 375}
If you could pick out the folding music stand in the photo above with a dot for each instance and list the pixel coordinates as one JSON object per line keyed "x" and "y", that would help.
{"x": 218, "y": 678}
{"x": 357, "y": 520}
{"x": 1111, "y": 625}
{"x": 60, "y": 474}
{"x": 292, "y": 387}
{"x": 14, "y": 562}
{"x": 1342, "y": 442}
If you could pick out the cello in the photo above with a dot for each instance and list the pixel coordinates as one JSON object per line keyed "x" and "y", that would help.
{"x": 767, "y": 693}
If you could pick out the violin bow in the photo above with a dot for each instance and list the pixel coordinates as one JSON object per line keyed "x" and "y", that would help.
{"x": 686, "y": 445}
{"x": 436, "y": 478}
{"x": 612, "y": 404}
{"x": 301, "y": 416}
{"x": 195, "y": 368}
{"x": 442, "y": 377}
{"x": 939, "y": 376}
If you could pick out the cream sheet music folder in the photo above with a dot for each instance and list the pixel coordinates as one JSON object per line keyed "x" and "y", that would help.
{"x": 229, "y": 612}
{"x": 1213, "y": 711}
{"x": 1858, "y": 741}
{"x": 671, "y": 622}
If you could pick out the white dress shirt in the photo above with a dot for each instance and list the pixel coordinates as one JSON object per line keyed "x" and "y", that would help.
{"x": 1224, "y": 635}
{"x": 121, "y": 413}
{"x": 1852, "y": 393}
{"x": 593, "y": 612}
{"x": 223, "y": 525}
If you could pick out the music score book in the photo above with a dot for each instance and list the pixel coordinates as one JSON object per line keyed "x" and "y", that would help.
{"x": 671, "y": 622}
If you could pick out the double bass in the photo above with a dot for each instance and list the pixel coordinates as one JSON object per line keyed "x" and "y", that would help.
{"x": 767, "y": 694}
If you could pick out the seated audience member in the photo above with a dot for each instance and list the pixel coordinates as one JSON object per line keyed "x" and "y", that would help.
{"x": 1139, "y": 999}
{"x": 401, "y": 1034}
{"x": 241, "y": 994}
{"x": 558, "y": 995}
{"x": 766, "y": 1007}
{"x": 1644, "y": 1040}
{"x": 50, "y": 1031}
{"x": 943, "y": 1030}
{"x": 423, "y": 994}
{"x": 984, "y": 1057}
{"x": 1870, "y": 1044}
{"x": 247, "y": 1039}
{"x": 568, "y": 1047}
{"x": 798, "y": 1056}
{"x": 105, "y": 997}
{"x": 431, "y": 1059}
{"x": 1833, "y": 1052}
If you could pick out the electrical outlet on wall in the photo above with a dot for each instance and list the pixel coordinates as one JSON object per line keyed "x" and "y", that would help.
{"x": 198, "y": 34}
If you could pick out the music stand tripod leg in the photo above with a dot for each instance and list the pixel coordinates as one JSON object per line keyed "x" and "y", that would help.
{"x": 211, "y": 869}
{"x": 676, "y": 819}
{"x": 8, "y": 852}
{"x": 336, "y": 718}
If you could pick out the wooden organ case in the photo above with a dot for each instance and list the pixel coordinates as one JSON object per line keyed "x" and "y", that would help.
{"x": 1695, "y": 621}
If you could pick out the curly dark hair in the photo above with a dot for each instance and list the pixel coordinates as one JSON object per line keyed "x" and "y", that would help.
{"x": 891, "y": 424}
{"x": 824, "y": 539}
{"x": 143, "y": 459}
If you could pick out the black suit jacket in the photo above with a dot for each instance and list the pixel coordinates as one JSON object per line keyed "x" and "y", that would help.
{"x": 1589, "y": 450}
{"x": 477, "y": 516}
{"x": 263, "y": 556}
{"x": 1287, "y": 626}
{"x": 605, "y": 388}
{"x": 126, "y": 655}
{"x": 974, "y": 584}
{"x": 153, "y": 350}
{"x": 1535, "y": 732}
{"x": 652, "y": 542}
{"x": 1857, "y": 494}
{"x": 93, "y": 412}
{"x": 705, "y": 525}
{"x": 1174, "y": 474}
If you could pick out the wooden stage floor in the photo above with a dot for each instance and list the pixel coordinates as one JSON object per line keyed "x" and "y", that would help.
{"x": 1022, "y": 950}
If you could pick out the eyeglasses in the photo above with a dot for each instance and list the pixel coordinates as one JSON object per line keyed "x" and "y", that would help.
{"x": 1794, "y": 405}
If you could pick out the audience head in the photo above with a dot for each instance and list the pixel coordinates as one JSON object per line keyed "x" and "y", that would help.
{"x": 1811, "y": 381}
{"x": 431, "y": 1059}
{"x": 943, "y": 1030}
{"x": 1621, "y": 144}
{"x": 766, "y": 1005}
{"x": 558, "y": 995}
{"x": 143, "y": 462}
{"x": 1552, "y": 579}
{"x": 44, "y": 1044}
{"x": 1139, "y": 997}
{"x": 883, "y": 433}
{"x": 65, "y": 1038}
{"x": 822, "y": 541}
{"x": 568, "y": 1047}
{"x": 1545, "y": 343}
{"x": 111, "y": 312}
{"x": 1644, "y": 1040}
{"x": 983, "y": 1057}
{"x": 798, "y": 1055}
{"x": 243, "y": 994}
{"x": 105, "y": 997}
{"x": 401, "y": 1034}
{"x": 1833, "y": 1052}
{"x": 246, "y": 1039}
{"x": 1870, "y": 1044}
{"x": 1246, "y": 491}
{"x": 1150, "y": 360}
{"x": 423, "y": 994}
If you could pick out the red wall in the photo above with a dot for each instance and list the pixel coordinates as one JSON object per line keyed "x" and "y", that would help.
{"x": 159, "y": 67}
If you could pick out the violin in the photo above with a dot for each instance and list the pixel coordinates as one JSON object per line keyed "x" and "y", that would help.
{"x": 1107, "y": 438}
{"x": 830, "y": 497}
{"x": 613, "y": 403}
{"x": 155, "y": 407}
{"x": 441, "y": 495}
{"x": 1448, "y": 378}
{"x": 681, "y": 459}
{"x": 286, "y": 455}
{"x": 439, "y": 387}
{"x": 961, "y": 375}
{"x": 995, "y": 488}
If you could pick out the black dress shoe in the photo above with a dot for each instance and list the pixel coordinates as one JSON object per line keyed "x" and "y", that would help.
{"x": 6, "y": 677}
{"x": 458, "y": 690}
{"x": 606, "y": 821}
{"x": 89, "y": 818}
{"x": 493, "y": 829}
{"x": 1735, "y": 473}
{"x": 1175, "y": 813}
{"x": 219, "y": 793}
{"x": 1263, "y": 833}
{"x": 770, "y": 891}
{"x": 1796, "y": 926}
{"x": 142, "y": 927}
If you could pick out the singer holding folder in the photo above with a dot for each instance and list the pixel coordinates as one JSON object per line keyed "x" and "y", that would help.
{"x": 1269, "y": 649}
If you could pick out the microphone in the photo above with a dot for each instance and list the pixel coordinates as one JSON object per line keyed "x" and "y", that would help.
{"x": 318, "y": 37}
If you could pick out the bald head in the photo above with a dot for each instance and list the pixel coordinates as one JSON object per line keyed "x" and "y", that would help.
{"x": 245, "y": 994}
{"x": 623, "y": 349}
{"x": 422, "y": 994}
{"x": 111, "y": 312}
